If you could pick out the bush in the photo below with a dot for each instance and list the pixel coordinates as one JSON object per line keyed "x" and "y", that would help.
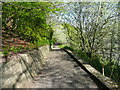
{"x": 69, "y": 48}
{"x": 41, "y": 42}
{"x": 95, "y": 62}
{"x": 61, "y": 46}
{"x": 83, "y": 55}
{"x": 54, "y": 40}
{"x": 111, "y": 69}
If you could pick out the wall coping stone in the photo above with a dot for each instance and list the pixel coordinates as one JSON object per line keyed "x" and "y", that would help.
{"x": 105, "y": 80}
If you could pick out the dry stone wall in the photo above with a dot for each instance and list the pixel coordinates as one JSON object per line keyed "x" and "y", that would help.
{"x": 19, "y": 71}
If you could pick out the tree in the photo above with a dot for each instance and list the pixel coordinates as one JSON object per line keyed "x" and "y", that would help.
{"x": 93, "y": 29}
{"x": 92, "y": 21}
{"x": 28, "y": 20}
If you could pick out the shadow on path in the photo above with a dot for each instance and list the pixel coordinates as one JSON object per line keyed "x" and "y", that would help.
{"x": 61, "y": 71}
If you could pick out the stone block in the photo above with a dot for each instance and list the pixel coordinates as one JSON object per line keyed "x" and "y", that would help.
{"x": 20, "y": 70}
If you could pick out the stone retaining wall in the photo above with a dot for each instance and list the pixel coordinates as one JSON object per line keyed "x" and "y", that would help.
{"x": 20, "y": 70}
{"x": 109, "y": 83}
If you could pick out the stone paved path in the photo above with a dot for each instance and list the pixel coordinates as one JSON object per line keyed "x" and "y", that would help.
{"x": 62, "y": 72}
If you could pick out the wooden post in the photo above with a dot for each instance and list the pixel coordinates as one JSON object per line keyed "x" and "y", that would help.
{"x": 103, "y": 69}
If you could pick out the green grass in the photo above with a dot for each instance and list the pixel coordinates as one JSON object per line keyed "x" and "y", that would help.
{"x": 69, "y": 48}
{"x": 61, "y": 46}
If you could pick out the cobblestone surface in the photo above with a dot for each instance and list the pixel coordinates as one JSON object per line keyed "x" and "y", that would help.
{"x": 62, "y": 72}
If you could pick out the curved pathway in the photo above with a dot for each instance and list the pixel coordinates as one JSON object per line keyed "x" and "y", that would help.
{"x": 62, "y": 72}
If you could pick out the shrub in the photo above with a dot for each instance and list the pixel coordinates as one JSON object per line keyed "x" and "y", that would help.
{"x": 69, "y": 48}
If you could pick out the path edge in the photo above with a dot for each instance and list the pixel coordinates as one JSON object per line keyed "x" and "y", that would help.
{"x": 105, "y": 82}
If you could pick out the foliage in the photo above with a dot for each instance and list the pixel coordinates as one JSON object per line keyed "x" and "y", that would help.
{"x": 28, "y": 21}
{"x": 92, "y": 29}
{"x": 97, "y": 64}
{"x": 54, "y": 40}
{"x": 69, "y": 48}
{"x": 61, "y": 46}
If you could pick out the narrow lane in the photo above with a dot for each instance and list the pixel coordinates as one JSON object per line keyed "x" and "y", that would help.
{"x": 62, "y": 72}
